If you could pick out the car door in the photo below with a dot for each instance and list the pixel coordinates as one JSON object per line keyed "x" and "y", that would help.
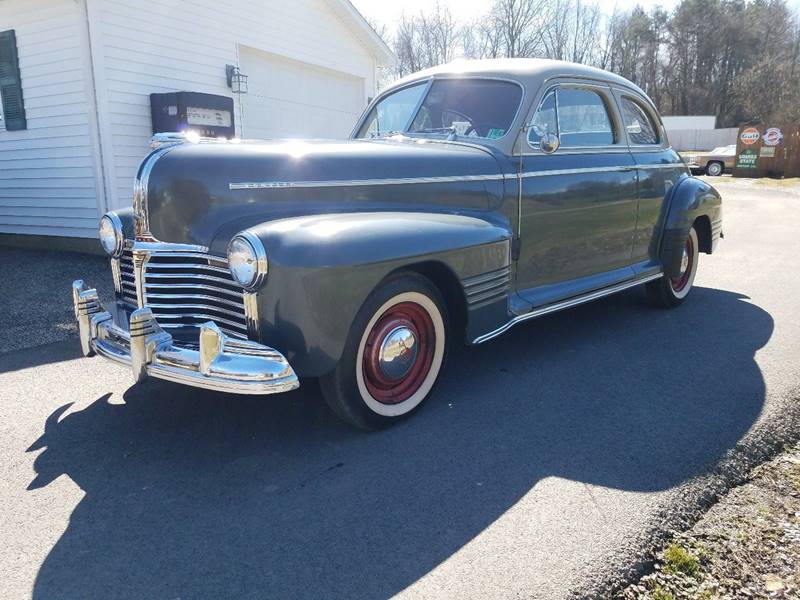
{"x": 578, "y": 203}
{"x": 658, "y": 167}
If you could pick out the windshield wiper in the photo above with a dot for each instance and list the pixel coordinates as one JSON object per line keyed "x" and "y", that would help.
{"x": 383, "y": 134}
{"x": 451, "y": 130}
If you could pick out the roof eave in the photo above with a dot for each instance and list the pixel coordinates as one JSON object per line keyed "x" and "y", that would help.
{"x": 382, "y": 52}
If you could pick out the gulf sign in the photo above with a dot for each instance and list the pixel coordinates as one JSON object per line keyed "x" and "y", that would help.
{"x": 749, "y": 136}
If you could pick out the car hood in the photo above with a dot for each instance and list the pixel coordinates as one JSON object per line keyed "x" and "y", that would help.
{"x": 204, "y": 193}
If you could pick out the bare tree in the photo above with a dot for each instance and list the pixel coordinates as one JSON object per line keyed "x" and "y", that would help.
{"x": 425, "y": 40}
{"x": 518, "y": 25}
{"x": 737, "y": 59}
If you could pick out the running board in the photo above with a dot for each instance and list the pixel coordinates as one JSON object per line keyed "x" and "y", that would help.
{"x": 568, "y": 303}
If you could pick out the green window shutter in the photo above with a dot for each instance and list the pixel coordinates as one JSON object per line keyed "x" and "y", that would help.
{"x": 11, "y": 83}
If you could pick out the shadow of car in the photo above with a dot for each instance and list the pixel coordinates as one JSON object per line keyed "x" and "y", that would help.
{"x": 193, "y": 494}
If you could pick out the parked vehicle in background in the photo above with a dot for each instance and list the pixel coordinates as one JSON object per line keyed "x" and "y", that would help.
{"x": 471, "y": 197}
{"x": 713, "y": 163}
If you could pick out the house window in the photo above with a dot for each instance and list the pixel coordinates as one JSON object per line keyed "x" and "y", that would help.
{"x": 13, "y": 105}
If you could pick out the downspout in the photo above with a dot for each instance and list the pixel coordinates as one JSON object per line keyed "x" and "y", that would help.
{"x": 94, "y": 111}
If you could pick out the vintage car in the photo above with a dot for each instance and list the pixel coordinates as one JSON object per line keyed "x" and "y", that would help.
{"x": 713, "y": 163}
{"x": 471, "y": 197}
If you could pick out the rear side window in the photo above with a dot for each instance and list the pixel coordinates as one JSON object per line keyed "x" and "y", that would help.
{"x": 638, "y": 123}
{"x": 583, "y": 119}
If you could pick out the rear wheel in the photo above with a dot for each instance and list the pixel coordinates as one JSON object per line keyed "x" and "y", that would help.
{"x": 714, "y": 169}
{"x": 671, "y": 291}
{"x": 393, "y": 355}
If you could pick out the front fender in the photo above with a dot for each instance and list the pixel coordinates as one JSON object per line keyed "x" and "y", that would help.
{"x": 323, "y": 267}
{"x": 690, "y": 199}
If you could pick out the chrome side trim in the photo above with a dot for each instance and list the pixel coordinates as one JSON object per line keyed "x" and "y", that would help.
{"x": 252, "y": 185}
{"x": 569, "y": 303}
{"x": 527, "y": 174}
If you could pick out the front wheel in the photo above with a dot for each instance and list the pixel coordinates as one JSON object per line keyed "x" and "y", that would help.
{"x": 671, "y": 291}
{"x": 393, "y": 355}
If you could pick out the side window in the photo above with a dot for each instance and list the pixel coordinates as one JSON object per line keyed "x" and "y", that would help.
{"x": 578, "y": 116}
{"x": 544, "y": 121}
{"x": 638, "y": 123}
{"x": 583, "y": 119}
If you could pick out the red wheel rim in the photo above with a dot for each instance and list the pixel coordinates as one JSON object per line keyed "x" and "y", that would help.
{"x": 680, "y": 282}
{"x": 385, "y": 387}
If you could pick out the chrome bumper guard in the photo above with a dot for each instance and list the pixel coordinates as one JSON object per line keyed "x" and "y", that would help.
{"x": 222, "y": 363}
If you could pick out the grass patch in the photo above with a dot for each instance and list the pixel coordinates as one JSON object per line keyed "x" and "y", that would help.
{"x": 679, "y": 560}
{"x": 660, "y": 593}
{"x": 787, "y": 182}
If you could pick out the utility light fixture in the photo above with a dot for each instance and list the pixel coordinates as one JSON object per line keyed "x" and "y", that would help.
{"x": 237, "y": 80}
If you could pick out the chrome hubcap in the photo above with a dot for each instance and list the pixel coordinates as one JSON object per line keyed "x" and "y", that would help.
{"x": 398, "y": 353}
{"x": 684, "y": 261}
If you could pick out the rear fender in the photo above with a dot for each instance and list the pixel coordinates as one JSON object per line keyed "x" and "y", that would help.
{"x": 691, "y": 199}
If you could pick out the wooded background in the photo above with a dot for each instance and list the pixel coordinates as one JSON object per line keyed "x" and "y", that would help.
{"x": 736, "y": 59}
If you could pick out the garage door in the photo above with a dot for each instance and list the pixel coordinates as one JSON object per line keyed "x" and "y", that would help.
{"x": 289, "y": 98}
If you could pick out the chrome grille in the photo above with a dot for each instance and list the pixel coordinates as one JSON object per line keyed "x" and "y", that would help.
{"x": 187, "y": 289}
{"x": 127, "y": 278}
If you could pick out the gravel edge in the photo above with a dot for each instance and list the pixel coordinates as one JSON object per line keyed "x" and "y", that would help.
{"x": 691, "y": 500}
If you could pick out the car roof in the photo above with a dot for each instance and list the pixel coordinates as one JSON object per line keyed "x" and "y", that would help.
{"x": 531, "y": 72}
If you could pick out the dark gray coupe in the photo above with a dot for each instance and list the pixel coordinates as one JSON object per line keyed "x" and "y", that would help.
{"x": 471, "y": 197}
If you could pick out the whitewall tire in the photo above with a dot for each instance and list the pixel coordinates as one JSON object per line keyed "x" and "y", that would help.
{"x": 393, "y": 356}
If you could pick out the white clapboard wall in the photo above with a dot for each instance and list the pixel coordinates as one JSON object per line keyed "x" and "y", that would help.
{"x": 89, "y": 66}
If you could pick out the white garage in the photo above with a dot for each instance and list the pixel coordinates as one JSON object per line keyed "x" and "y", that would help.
{"x": 291, "y": 98}
{"x": 77, "y": 77}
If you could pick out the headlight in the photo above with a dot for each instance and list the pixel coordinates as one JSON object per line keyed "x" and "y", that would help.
{"x": 247, "y": 259}
{"x": 111, "y": 237}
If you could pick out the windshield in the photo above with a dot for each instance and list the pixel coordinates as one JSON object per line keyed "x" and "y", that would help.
{"x": 476, "y": 108}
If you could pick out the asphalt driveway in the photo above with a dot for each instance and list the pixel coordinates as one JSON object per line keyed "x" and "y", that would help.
{"x": 543, "y": 465}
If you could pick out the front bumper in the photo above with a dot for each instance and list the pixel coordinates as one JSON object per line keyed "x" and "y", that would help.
{"x": 221, "y": 363}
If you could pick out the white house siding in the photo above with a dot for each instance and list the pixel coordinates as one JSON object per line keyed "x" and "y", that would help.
{"x": 48, "y": 183}
{"x": 289, "y": 98}
{"x": 146, "y": 46}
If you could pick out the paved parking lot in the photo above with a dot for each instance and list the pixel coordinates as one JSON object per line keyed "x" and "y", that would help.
{"x": 544, "y": 463}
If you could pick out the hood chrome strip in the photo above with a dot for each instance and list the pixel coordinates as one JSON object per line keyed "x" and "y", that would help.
{"x": 257, "y": 185}
{"x": 253, "y": 185}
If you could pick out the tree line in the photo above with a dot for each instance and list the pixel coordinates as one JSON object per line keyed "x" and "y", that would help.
{"x": 736, "y": 59}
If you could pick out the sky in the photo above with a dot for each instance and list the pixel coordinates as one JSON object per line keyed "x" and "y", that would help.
{"x": 388, "y": 11}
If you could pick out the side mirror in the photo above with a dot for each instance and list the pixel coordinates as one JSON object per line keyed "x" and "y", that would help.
{"x": 549, "y": 143}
